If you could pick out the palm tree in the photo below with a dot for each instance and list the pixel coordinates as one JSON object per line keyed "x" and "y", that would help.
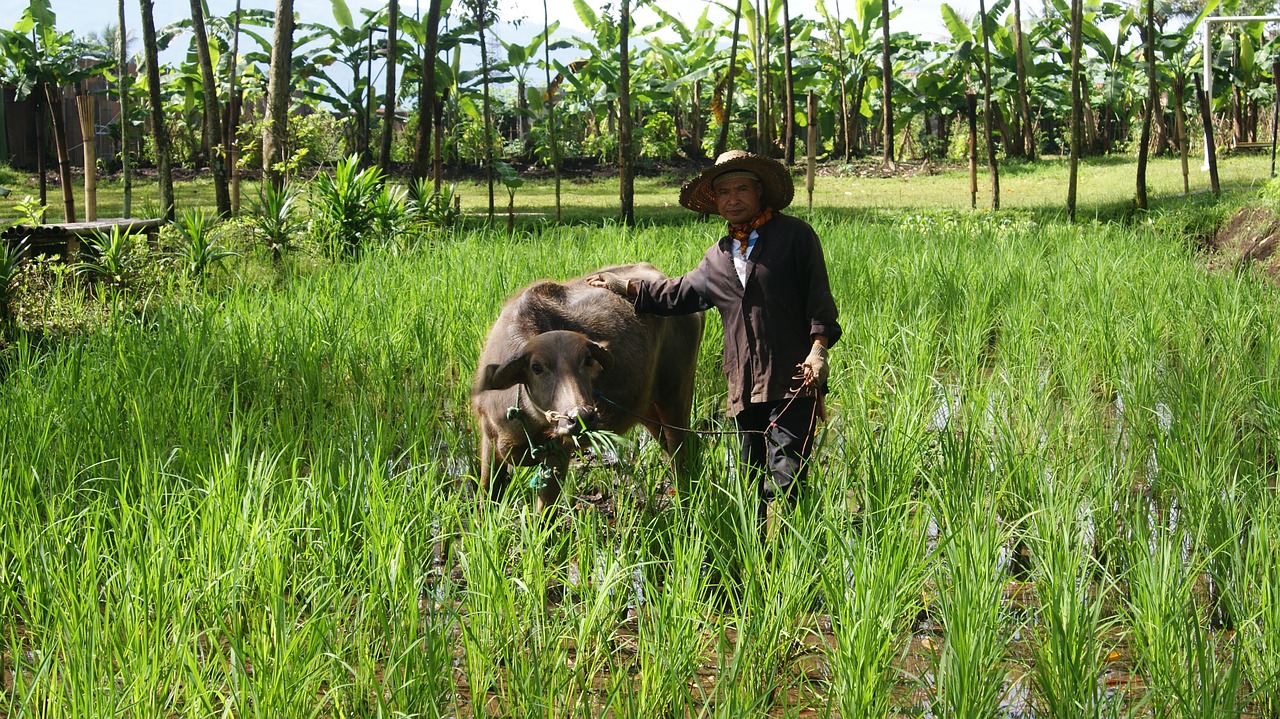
{"x": 551, "y": 111}
{"x": 124, "y": 77}
{"x": 212, "y": 111}
{"x": 887, "y": 85}
{"x": 626, "y": 169}
{"x": 726, "y": 113}
{"x": 1077, "y": 105}
{"x": 789, "y": 112}
{"x": 278, "y": 91}
{"x": 986, "y": 107}
{"x": 1024, "y": 101}
{"x": 389, "y": 99}
{"x": 427, "y": 94}
{"x": 1148, "y": 110}
{"x": 159, "y": 129}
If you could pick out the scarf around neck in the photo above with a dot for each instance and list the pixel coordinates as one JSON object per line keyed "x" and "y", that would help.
{"x": 742, "y": 233}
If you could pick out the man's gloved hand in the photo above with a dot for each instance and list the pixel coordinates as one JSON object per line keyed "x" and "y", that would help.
{"x": 615, "y": 283}
{"x": 813, "y": 369}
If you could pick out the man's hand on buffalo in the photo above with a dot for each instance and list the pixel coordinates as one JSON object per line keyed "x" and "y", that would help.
{"x": 615, "y": 283}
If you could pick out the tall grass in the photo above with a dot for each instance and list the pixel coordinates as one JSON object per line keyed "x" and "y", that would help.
{"x": 254, "y": 499}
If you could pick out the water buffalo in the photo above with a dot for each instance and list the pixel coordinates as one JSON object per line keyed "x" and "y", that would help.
{"x": 568, "y": 356}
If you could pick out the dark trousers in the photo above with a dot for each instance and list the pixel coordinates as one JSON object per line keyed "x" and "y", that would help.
{"x": 777, "y": 438}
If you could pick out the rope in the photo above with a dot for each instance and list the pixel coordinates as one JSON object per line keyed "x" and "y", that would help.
{"x": 538, "y": 451}
{"x": 713, "y": 433}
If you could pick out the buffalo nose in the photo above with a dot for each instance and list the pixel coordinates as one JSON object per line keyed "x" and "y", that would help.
{"x": 581, "y": 418}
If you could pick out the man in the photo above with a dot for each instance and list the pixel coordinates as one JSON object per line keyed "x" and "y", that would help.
{"x": 768, "y": 278}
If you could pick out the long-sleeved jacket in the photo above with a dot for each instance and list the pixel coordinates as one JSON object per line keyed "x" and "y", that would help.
{"x": 769, "y": 324}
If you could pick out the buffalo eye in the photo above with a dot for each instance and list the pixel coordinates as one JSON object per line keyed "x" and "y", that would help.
{"x": 536, "y": 367}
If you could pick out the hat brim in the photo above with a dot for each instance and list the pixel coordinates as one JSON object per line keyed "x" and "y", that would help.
{"x": 777, "y": 187}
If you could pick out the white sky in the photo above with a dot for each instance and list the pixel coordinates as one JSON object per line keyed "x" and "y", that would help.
{"x": 93, "y": 16}
{"x": 85, "y": 16}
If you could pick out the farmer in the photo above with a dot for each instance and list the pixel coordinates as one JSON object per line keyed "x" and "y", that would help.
{"x": 768, "y": 279}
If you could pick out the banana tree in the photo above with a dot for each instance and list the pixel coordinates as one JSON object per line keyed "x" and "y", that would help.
{"x": 685, "y": 65}
{"x": 519, "y": 61}
{"x": 851, "y": 59}
{"x": 345, "y": 44}
{"x": 1177, "y": 59}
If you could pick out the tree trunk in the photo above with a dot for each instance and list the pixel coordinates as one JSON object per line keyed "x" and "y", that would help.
{"x": 626, "y": 169}
{"x": 234, "y": 98}
{"x": 986, "y": 107}
{"x": 1024, "y": 101}
{"x": 722, "y": 139}
{"x": 550, "y": 102}
{"x": 971, "y": 104}
{"x": 482, "y": 18}
{"x": 366, "y": 155}
{"x": 64, "y": 158}
{"x": 427, "y": 94}
{"x": 159, "y": 130}
{"x": 789, "y": 94}
{"x": 1077, "y": 106}
{"x": 1148, "y": 110}
{"x": 212, "y": 112}
{"x": 886, "y": 73}
{"x": 126, "y": 171}
{"x": 389, "y": 98}
{"x": 42, "y": 145}
{"x": 278, "y": 94}
{"x": 1180, "y": 127}
{"x": 762, "y": 77}
{"x": 1206, "y": 120}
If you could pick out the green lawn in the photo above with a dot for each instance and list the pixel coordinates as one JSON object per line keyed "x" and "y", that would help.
{"x": 1106, "y": 190}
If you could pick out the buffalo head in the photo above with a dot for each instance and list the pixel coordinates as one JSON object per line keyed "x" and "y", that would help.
{"x": 558, "y": 370}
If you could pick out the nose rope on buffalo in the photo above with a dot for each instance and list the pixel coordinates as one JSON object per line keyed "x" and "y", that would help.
{"x": 539, "y": 452}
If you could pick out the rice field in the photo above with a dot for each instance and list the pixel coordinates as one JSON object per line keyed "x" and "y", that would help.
{"x": 1047, "y": 487}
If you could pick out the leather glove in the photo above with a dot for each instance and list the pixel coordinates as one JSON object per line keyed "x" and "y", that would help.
{"x": 616, "y": 283}
{"x": 813, "y": 369}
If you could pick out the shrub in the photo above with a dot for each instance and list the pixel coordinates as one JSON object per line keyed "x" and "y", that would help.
{"x": 345, "y": 206}
{"x": 198, "y": 248}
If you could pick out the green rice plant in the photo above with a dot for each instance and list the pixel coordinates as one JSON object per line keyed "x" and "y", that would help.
{"x": 769, "y": 579}
{"x": 872, "y": 584}
{"x": 1189, "y": 670}
{"x": 1259, "y": 608}
{"x": 344, "y": 206}
{"x": 969, "y": 670}
{"x": 1072, "y": 629}
{"x": 275, "y": 219}
{"x": 198, "y": 249}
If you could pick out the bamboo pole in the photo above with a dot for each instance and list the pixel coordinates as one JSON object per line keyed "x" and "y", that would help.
{"x": 85, "y": 104}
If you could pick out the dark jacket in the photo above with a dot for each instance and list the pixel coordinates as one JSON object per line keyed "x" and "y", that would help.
{"x": 768, "y": 325}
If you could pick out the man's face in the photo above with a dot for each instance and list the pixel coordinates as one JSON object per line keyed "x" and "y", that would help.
{"x": 738, "y": 199}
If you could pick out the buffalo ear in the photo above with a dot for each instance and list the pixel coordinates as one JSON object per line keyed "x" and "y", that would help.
{"x": 600, "y": 354}
{"x": 508, "y": 374}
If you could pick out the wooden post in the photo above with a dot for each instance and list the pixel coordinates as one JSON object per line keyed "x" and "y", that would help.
{"x": 811, "y": 165}
{"x": 85, "y": 104}
{"x": 1275, "y": 115}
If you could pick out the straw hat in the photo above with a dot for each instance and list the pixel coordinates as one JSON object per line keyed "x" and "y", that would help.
{"x": 699, "y": 194}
